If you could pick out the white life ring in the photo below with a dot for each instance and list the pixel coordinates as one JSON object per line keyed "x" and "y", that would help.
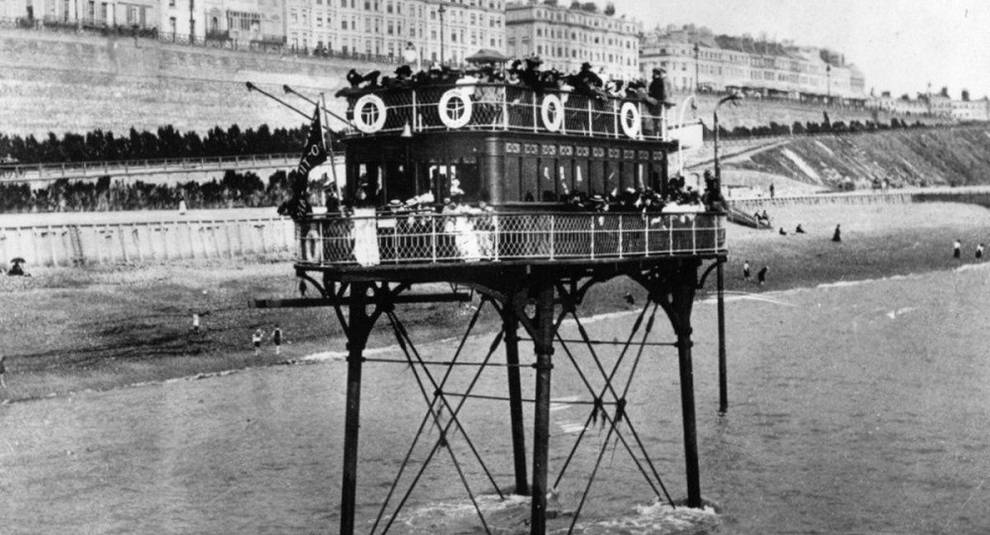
{"x": 630, "y": 119}
{"x": 444, "y": 108}
{"x": 372, "y": 120}
{"x": 557, "y": 121}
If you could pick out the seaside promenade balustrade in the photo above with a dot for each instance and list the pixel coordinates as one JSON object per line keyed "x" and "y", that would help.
{"x": 144, "y": 237}
{"x": 428, "y": 238}
{"x": 507, "y": 108}
{"x": 42, "y": 172}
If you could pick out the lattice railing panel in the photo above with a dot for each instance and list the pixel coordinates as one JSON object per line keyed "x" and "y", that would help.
{"x": 490, "y": 236}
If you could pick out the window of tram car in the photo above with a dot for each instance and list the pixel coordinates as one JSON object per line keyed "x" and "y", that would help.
{"x": 582, "y": 176}
{"x": 549, "y": 180}
{"x": 596, "y": 177}
{"x": 461, "y": 178}
{"x": 611, "y": 172}
{"x": 628, "y": 174}
{"x": 530, "y": 179}
{"x": 511, "y": 183}
{"x": 368, "y": 177}
{"x": 400, "y": 183}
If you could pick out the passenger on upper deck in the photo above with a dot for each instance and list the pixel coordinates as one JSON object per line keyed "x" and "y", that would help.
{"x": 659, "y": 93}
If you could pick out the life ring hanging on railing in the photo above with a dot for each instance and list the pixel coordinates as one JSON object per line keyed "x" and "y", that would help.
{"x": 630, "y": 119}
{"x": 554, "y": 123}
{"x": 465, "y": 107}
{"x": 376, "y": 115}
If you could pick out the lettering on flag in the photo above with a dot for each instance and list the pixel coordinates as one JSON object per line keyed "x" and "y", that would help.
{"x": 314, "y": 153}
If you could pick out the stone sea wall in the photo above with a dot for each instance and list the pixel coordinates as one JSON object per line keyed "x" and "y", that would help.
{"x": 75, "y": 83}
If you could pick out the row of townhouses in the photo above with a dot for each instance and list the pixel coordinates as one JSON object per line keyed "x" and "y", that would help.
{"x": 564, "y": 36}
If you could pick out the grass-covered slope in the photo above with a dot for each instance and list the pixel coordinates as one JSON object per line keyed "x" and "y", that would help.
{"x": 913, "y": 157}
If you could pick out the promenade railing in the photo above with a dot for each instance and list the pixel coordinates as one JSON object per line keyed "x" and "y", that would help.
{"x": 166, "y": 239}
{"x": 504, "y": 107}
{"x": 431, "y": 238}
{"x": 95, "y": 169}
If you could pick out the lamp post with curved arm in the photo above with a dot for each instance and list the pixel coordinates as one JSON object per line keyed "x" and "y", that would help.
{"x": 723, "y": 389}
{"x": 718, "y": 169}
{"x": 680, "y": 124}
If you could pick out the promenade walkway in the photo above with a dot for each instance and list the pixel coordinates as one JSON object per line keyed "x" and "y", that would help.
{"x": 34, "y": 173}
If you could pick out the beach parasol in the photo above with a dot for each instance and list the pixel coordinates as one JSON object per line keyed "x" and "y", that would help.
{"x": 486, "y": 55}
{"x": 18, "y": 260}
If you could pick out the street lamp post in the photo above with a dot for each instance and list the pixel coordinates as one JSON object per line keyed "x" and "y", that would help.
{"x": 441, "y": 11}
{"x": 697, "y": 51}
{"x": 723, "y": 389}
{"x": 718, "y": 169}
{"x": 828, "y": 78}
{"x": 410, "y": 55}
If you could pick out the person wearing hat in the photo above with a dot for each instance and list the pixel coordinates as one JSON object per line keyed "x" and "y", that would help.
{"x": 403, "y": 75}
{"x": 530, "y": 76}
{"x": 659, "y": 93}
{"x": 589, "y": 77}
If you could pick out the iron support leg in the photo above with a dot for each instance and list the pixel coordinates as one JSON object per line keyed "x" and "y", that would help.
{"x": 543, "y": 340}
{"x": 723, "y": 384}
{"x": 357, "y": 338}
{"x": 687, "y": 409}
{"x": 511, "y": 326}
{"x": 674, "y": 289}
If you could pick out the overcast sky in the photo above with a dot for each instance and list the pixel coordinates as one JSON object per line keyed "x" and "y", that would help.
{"x": 900, "y": 45}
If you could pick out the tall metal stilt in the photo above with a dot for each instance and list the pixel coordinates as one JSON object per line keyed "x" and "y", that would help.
{"x": 723, "y": 388}
{"x": 357, "y": 337}
{"x": 675, "y": 293}
{"x": 543, "y": 340}
{"x": 511, "y": 326}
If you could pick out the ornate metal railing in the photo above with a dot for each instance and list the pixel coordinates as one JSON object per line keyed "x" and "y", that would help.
{"x": 397, "y": 239}
{"x": 502, "y": 107}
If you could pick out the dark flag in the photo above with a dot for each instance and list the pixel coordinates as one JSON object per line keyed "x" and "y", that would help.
{"x": 315, "y": 154}
{"x": 298, "y": 206}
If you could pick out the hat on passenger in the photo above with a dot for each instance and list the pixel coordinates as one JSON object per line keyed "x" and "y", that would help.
{"x": 404, "y": 70}
{"x": 659, "y": 70}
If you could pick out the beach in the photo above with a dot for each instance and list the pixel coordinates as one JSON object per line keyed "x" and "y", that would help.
{"x": 73, "y": 329}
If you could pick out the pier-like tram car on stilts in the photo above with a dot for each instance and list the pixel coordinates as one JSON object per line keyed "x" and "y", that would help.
{"x": 529, "y": 195}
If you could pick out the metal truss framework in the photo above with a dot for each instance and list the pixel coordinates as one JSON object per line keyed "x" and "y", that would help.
{"x": 537, "y": 298}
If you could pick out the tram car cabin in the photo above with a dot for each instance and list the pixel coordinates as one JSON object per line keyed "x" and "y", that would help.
{"x": 506, "y": 145}
{"x": 430, "y": 162}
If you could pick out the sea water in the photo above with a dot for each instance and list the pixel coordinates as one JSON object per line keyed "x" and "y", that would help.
{"x": 854, "y": 408}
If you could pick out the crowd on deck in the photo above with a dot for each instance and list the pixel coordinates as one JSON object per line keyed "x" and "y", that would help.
{"x": 524, "y": 72}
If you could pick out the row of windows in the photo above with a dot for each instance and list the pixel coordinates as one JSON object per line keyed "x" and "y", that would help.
{"x": 400, "y": 7}
{"x": 393, "y": 47}
{"x": 573, "y": 53}
{"x": 480, "y": 20}
{"x": 590, "y": 22}
{"x": 556, "y": 33}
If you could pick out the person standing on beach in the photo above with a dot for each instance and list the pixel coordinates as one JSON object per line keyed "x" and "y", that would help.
{"x": 195, "y": 325}
{"x": 837, "y": 235}
{"x": 3, "y": 372}
{"x": 256, "y": 340}
{"x": 182, "y": 206}
{"x": 761, "y": 275}
{"x": 773, "y": 191}
{"x": 957, "y": 249}
{"x": 277, "y": 339}
{"x": 979, "y": 251}
{"x": 746, "y": 270}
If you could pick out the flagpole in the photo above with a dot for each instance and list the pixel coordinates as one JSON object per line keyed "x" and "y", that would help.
{"x": 328, "y": 147}
{"x": 252, "y": 87}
